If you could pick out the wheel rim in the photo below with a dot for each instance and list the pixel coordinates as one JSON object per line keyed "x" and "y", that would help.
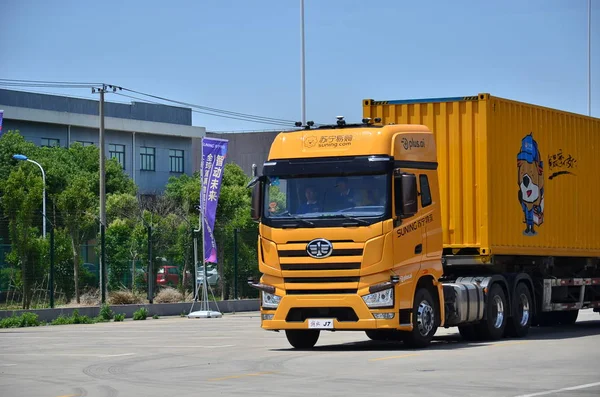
{"x": 524, "y": 307}
{"x": 425, "y": 318}
{"x": 499, "y": 309}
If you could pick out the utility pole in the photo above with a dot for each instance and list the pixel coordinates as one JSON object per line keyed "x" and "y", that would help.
{"x": 102, "y": 196}
{"x": 103, "y": 267}
{"x": 589, "y": 57}
{"x": 302, "y": 64}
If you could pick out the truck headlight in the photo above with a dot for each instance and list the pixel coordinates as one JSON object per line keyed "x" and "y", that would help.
{"x": 270, "y": 301}
{"x": 383, "y": 298}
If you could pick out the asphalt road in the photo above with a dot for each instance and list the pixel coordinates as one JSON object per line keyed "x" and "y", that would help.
{"x": 232, "y": 356}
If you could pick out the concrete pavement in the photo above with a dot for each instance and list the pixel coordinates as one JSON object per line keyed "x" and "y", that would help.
{"x": 233, "y": 356}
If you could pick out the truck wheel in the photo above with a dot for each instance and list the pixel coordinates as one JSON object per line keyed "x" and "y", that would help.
{"x": 492, "y": 327}
{"x": 302, "y": 339}
{"x": 424, "y": 318}
{"x": 518, "y": 325}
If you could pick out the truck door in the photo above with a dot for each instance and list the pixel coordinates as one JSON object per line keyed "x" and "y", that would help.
{"x": 408, "y": 228}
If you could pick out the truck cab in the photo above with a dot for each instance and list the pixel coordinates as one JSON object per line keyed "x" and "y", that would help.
{"x": 350, "y": 233}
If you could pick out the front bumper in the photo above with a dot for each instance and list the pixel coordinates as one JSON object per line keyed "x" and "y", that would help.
{"x": 364, "y": 315}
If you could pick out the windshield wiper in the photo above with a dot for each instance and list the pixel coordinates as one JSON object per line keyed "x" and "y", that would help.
{"x": 361, "y": 221}
{"x": 305, "y": 221}
{"x": 352, "y": 218}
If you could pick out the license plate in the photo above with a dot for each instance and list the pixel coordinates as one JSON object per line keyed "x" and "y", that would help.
{"x": 321, "y": 323}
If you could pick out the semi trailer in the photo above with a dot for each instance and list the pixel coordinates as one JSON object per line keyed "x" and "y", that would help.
{"x": 474, "y": 212}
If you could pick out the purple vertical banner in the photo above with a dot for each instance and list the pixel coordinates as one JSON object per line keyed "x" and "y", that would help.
{"x": 1, "y": 116}
{"x": 214, "y": 152}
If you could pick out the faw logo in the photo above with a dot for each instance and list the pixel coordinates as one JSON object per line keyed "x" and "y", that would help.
{"x": 409, "y": 143}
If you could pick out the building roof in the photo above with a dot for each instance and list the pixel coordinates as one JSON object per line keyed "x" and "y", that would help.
{"x": 138, "y": 116}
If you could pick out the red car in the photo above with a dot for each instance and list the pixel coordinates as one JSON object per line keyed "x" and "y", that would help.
{"x": 170, "y": 276}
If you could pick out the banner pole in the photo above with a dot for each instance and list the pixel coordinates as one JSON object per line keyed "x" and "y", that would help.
{"x": 212, "y": 175}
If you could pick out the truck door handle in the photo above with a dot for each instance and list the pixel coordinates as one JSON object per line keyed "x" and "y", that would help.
{"x": 419, "y": 249}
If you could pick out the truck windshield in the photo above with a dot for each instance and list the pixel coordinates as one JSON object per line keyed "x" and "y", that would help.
{"x": 360, "y": 196}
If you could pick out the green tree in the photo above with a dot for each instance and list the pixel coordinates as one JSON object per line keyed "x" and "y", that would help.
{"x": 75, "y": 203}
{"x": 21, "y": 197}
{"x": 233, "y": 212}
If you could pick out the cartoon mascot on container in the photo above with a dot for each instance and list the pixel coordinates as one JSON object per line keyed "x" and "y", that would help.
{"x": 531, "y": 184}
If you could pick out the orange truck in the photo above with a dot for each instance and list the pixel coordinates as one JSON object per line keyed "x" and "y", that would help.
{"x": 472, "y": 212}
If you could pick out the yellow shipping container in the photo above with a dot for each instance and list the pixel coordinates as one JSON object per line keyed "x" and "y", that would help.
{"x": 515, "y": 178}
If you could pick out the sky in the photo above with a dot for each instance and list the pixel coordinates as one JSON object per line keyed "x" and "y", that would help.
{"x": 245, "y": 56}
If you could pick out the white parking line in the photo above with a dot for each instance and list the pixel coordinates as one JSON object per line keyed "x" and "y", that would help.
{"x": 543, "y": 393}
{"x": 117, "y": 355}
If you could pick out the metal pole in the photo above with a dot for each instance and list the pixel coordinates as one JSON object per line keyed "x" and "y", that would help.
{"x": 589, "y": 57}
{"x": 102, "y": 190}
{"x": 44, "y": 201}
{"x": 302, "y": 64}
{"x": 235, "y": 263}
{"x": 43, "y": 195}
{"x": 150, "y": 267}
{"x": 204, "y": 304}
{"x": 51, "y": 292}
{"x": 195, "y": 241}
{"x": 103, "y": 260}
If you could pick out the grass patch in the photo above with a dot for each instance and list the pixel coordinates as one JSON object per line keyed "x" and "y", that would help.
{"x": 24, "y": 320}
{"x": 75, "y": 318}
{"x": 124, "y": 297}
{"x": 168, "y": 295}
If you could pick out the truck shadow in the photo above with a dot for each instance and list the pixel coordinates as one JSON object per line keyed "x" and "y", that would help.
{"x": 454, "y": 340}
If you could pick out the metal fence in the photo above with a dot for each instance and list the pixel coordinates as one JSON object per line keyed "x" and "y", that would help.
{"x": 37, "y": 272}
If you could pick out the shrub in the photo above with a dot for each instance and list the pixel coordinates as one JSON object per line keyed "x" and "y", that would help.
{"x": 90, "y": 298}
{"x": 168, "y": 295}
{"x": 75, "y": 318}
{"x": 26, "y": 319}
{"x": 155, "y": 317}
{"x": 106, "y": 313}
{"x": 124, "y": 297}
{"x": 119, "y": 317}
{"x": 140, "y": 314}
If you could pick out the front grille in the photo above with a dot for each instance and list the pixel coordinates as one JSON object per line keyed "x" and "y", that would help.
{"x": 320, "y": 291}
{"x": 321, "y": 266}
{"x": 335, "y": 252}
{"x": 342, "y": 314}
{"x": 308, "y": 280}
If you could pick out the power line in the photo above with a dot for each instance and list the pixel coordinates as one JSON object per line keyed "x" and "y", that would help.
{"x": 203, "y": 109}
{"x": 48, "y": 82}
{"x": 207, "y": 108}
{"x": 207, "y": 113}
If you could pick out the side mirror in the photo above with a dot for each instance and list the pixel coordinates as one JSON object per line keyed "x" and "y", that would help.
{"x": 257, "y": 198}
{"x": 406, "y": 195}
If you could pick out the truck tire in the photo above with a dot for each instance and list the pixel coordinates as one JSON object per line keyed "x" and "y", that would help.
{"x": 493, "y": 325}
{"x": 425, "y": 320}
{"x": 302, "y": 339}
{"x": 518, "y": 325}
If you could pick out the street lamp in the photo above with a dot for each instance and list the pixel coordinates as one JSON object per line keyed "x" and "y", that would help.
{"x": 22, "y": 157}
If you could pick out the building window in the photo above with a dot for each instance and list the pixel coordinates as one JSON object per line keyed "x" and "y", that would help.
{"x": 147, "y": 158}
{"x": 176, "y": 160}
{"x": 85, "y": 143}
{"x": 50, "y": 142}
{"x": 117, "y": 152}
